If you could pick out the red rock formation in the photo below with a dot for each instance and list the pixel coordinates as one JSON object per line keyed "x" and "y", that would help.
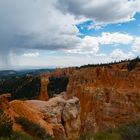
{"x": 44, "y": 80}
{"x": 60, "y": 72}
{"x": 4, "y": 100}
{"x": 109, "y": 96}
{"x": 58, "y": 116}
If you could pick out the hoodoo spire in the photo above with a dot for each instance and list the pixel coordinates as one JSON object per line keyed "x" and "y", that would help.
{"x": 44, "y": 80}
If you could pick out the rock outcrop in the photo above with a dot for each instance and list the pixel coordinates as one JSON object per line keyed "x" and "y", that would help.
{"x": 63, "y": 72}
{"x": 4, "y": 101}
{"x": 109, "y": 96}
{"x": 58, "y": 116}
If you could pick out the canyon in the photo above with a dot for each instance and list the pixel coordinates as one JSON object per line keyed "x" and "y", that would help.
{"x": 97, "y": 98}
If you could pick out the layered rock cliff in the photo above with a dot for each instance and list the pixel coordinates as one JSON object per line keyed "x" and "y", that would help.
{"x": 109, "y": 95}
{"x": 62, "y": 72}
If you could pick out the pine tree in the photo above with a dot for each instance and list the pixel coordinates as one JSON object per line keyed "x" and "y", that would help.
{"x": 5, "y": 124}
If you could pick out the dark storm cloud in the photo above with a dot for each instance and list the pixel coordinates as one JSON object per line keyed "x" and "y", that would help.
{"x": 103, "y": 11}
{"x": 33, "y": 24}
{"x": 30, "y": 23}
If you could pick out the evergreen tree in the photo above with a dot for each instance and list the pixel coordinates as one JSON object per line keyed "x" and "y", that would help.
{"x": 5, "y": 125}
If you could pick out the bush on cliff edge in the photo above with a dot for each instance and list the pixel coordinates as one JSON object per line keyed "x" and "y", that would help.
{"x": 130, "y": 131}
{"x": 34, "y": 129}
{"x": 5, "y": 125}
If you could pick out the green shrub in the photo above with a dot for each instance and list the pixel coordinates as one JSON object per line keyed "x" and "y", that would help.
{"x": 57, "y": 85}
{"x": 34, "y": 129}
{"x": 5, "y": 125}
{"x": 21, "y": 136}
{"x": 107, "y": 136}
{"x": 18, "y": 136}
{"x": 130, "y": 131}
{"x": 86, "y": 137}
{"x": 133, "y": 63}
{"x": 4, "y": 138}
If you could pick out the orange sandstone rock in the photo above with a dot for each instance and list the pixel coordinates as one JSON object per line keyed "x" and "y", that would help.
{"x": 44, "y": 80}
{"x": 109, "y": 96}
{"x": 4, "y": 101}
{"x": 58, "y": 116}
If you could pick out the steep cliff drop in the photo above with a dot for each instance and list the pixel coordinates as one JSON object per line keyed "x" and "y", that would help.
{"x": 109, "y": 95}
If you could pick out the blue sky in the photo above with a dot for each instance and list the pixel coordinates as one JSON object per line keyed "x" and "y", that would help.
{"x": 132, "y": 28}
{"x": 60, "y": 33}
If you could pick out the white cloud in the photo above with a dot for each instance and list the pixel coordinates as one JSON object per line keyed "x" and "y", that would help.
{"x": 101, "y": 54}
{"x": 115, "y": 38}
{"x": 118, "y": 54}
{"x": 36, "y": 24}
{"x": 95, "y": 27}
{"x": 102, "y": 12}
{"x": 35, "y": 54}
{"x": 88, "y": 45}
{"x": 136, "y": 45}
{"x": 58, "y": 61}
{"x": 40, "y": 25}
{"x": 31, "y": 24}
{"x": 91, "y": 44}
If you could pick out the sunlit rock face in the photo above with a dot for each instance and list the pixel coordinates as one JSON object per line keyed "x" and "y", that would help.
{"x": 60, "y": 72}
{"x": 58, "y": 116}
{"x": 63, "y": 115}
{"x": 109, "y": 96}
{"x": 44, "y": 81}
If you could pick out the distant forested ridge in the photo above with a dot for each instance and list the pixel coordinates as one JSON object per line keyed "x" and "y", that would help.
{"x": 130, "y": 66}
{"x": 26, "y": 84}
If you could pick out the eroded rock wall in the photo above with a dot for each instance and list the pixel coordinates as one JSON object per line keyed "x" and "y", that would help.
{"x": 109, "y": 96}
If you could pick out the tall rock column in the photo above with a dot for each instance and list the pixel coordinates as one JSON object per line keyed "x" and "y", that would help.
{"x": 44, "y": 80}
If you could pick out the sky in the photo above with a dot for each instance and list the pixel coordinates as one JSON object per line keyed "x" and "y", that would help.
{"x": 62, "y": 33}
